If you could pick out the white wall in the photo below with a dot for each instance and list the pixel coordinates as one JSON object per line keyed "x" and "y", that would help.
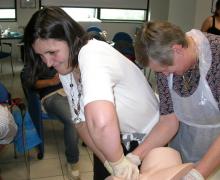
{"x": 203, "y": 10}
{"x": 182, "y": 13}
{"x": 110, "y": 27}
{"x": 98, "y": 3}
{"x": 159, "y": 9}
{"x": 24, "y": 14}
{"x": 185, "y": 13}
{"x": 189, "y": 14}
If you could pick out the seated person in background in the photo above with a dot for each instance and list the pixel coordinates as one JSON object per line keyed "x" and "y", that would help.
{"x": 212, "y": 23}
{"x": 47, "y": 83}
{"x": 8, "y": 127}
{"x": 162, "y": 163}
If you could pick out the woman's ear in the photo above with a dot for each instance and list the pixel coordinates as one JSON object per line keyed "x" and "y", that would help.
{"x": 177, "y": 48}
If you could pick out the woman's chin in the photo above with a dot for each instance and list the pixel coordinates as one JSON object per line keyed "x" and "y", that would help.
{"x": 63, "y": 71}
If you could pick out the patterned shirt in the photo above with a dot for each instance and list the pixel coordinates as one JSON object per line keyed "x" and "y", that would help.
{"x": 192, "y": 76}
{"x": 8, "y": 127}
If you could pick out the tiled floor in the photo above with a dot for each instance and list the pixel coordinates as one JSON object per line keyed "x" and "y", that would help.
{"x": 52, "y": 167}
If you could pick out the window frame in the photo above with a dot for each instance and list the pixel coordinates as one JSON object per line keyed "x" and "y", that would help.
{"x": 10, "y": 19}
{"x": 77, "y": 7}
{"x": 123, "y": 20}
{"x": 98, "y": 14}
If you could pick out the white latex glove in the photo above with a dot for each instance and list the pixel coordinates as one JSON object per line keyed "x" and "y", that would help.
{"x": 108, "y": 167}
{"x": 193, "y": 175}
{"x": 134, "y": 159}
{"x": 124, "y": 168}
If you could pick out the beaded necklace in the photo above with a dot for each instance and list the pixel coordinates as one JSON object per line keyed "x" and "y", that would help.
{"x": 187, "y": 81}
{"x": 76, "y": 105}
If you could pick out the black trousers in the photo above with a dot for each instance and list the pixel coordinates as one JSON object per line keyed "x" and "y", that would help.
{"x": 100, "y": 172}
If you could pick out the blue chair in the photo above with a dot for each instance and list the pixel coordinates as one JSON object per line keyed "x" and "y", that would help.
{"x": 34, "y": 109}
{"x": 122, "y": 36}
{"x": 5, "y": 52}
{"x": 5, "y": 97}
{"x": 93, "y": 28}
{"x": 36, "y": 113}
{"x": 124, "y": 44}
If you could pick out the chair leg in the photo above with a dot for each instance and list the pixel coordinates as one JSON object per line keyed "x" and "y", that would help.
{"x": 26, "y": 153}
{"x": 15, "y": 152}
{"x": 26, "y": 159}
{"x": 12, "y": 68}
{"x": 27, "y": 164}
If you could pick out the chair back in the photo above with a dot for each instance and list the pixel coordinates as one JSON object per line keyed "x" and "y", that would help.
{"x": 34, "y": 108}
{"x": 24, "y": 140}
{"x": 124, "y": 44}
{"x": 4, "y": 94}
{"x": 93, "y": 28}
{"x": 122, "y": 36}
{"x": 32, "y": 138}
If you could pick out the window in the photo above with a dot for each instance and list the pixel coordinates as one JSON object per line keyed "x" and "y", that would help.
{"x": 122, "y": 14}
{"x": 7, "y": 14}
{"x": 105, "y": 14}
{"x": 7, "y": 10}
{"x": 81, "y": 14}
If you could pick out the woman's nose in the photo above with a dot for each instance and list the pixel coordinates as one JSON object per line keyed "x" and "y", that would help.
{"x": 48, "y": 62}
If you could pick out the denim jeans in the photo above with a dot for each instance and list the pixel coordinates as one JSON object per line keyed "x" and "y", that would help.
{"x": 58, "y": 106}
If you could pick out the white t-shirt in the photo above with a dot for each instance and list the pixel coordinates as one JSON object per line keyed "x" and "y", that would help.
{"x": 108, "y": 75}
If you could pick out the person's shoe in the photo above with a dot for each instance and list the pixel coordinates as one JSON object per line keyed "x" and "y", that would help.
{"x": 73, "y": 171}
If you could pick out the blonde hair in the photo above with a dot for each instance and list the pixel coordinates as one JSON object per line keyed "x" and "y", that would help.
{"x": 155, "y": 40}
